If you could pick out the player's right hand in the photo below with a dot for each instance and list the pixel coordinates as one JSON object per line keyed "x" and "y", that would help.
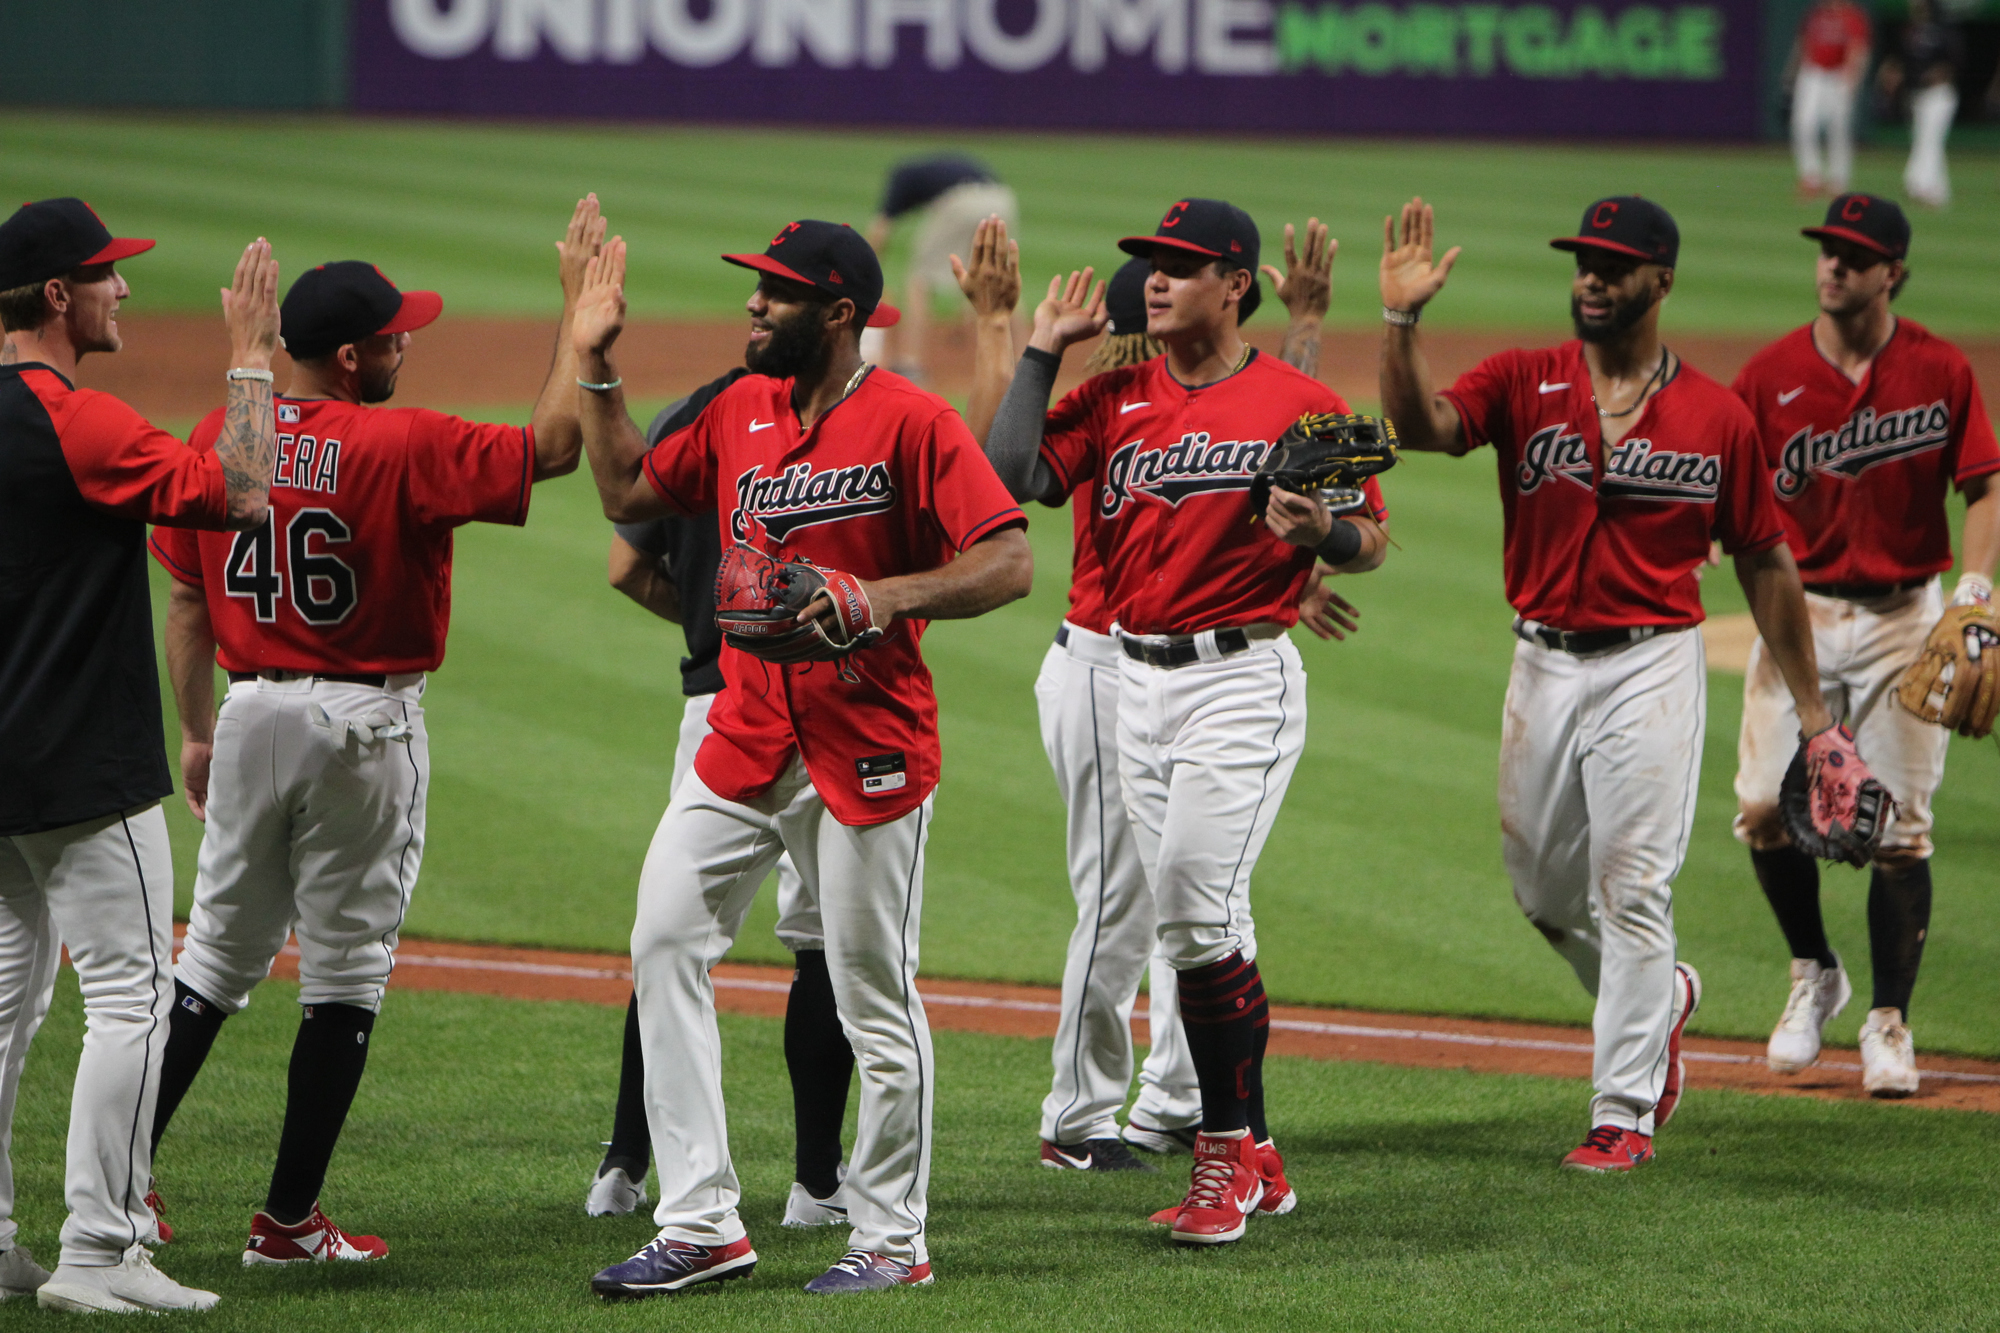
{"x": 250, "y": 308}
{"x": 600, "y": 304}
{"x": 195, "y": 759}
{"x": 1070, "y": 313}
{"x": 1306, "y": 284}
{"x": 579, "y": 245}
{"x": 1409, "y": 278}
{"x": 992, "y": 281}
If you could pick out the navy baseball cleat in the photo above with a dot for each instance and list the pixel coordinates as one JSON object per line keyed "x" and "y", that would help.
{"x": 674, "y": 1265}
{"x": 1092, "y": 1155}
{"x": 865, "y": 1270}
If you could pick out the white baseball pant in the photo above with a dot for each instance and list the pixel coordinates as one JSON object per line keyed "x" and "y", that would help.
{"x": 1205, "y": 752}
{"x": 1600, "y": 760}
{"x": 316, "y": 823}
{"x": 104, "y": 888}
{"x": 703, "y": 869}
{"x": 1077, "y": 697}
{"x": 1925, "y": 177}
{"x": 1863, "y": 648}
{"x": 1823, "y": 107}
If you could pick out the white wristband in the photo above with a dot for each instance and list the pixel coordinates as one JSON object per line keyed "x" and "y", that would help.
{"x": 261, "y": 376}
{"x": 1972, "y": 588}
{"x": 1402, "y": 319}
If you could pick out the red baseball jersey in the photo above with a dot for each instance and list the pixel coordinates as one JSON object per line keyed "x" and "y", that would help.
{"x": 1164, "y": 470}
{"x": 1087, "y": 607}
{"x": 1833, "y": 32}
{"x": 1602, "y": 539}
{"x": 351, "y": 573}
{"x": 886, "y": 482}
{"x": 1861, "y": 470}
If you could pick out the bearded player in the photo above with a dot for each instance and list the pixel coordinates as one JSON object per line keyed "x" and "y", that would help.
{"x": 1867, "y": 422}
{"x": 1618, "y": 466}
{"x": 1076, "y": 695}
{"x": 312, "y": 781}
{"x": 820, "y": 456}
{"x": 1211, "y": 700}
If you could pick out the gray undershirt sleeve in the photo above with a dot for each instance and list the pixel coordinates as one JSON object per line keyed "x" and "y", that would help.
{"x": 1014, "y": 441}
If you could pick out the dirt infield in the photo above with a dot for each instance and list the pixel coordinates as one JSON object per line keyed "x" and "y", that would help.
{"x": 172, "y": 365}
{"x": 1321, "y": 1034}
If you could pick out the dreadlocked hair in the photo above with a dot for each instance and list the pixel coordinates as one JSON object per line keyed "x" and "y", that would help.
{"x": 1122, "y": 349}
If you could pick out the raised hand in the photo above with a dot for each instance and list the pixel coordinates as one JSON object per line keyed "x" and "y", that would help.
{"x": 1306, "y": 285}
{"x": 992, "y": 281}
{"x": 579, "y": 245}
{"x": 1409, "y": 278}
{"x": 250, "y": 308}
{"x": 1070, "y": 313}
{"x": 600, "y": 303}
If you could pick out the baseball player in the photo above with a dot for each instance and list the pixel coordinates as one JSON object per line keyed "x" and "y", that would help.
{"x": 1925, "y": 67}
{"x": 312, "y": 780}
{"x": 1210, "y": 711}
{"x": 84, "y": 862}
{"x": 1618, "y": 466}
{"x": 668, "y": 566}
{"x": 815, "y": 455}
{"x": 1077, "y": 697}
{"x": 1829, "y": 60}
{"x": 1867, "y": 421}
{"x": 950, "y": 194}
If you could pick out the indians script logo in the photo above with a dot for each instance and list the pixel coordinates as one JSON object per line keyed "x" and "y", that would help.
{"x": 800, "y": 497}
{"x": 1864, "y": 441}
{"x": 1550, "y": 453}
{"x": 1192, "y": 465}
{"x": 1638, "y": 471}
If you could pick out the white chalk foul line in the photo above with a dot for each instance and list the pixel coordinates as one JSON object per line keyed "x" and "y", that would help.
{"x": 1577, "y": 1048}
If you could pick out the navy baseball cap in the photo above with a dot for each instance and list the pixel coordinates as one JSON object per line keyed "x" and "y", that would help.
{"x": 1625, "y": 224}
{"x": 336, "y": 304}
{"x": 1207, "y": 227}
{"x": 55, "y": 237}
{"x": 831, "y": 256}
{"x": 1867, "y": 220}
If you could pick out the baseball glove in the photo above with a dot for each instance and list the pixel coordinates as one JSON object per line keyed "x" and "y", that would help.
{"x": 1956, "y": 682}
{"x": 758, "y": 601}
{"x": 1329, "y": 454}
{"x": 1833, "y": 807}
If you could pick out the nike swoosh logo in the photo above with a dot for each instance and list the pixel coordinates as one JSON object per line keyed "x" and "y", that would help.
{"x": 1080, "y": 1163}
{"x": 1784, "y": 398}
{"x": 1131, "y": 407}
{"x": 756, "y": 426}
{"x": 1551, "y": 388}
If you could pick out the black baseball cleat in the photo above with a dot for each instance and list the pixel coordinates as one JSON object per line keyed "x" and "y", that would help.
{"x": 1092, "y": 1155}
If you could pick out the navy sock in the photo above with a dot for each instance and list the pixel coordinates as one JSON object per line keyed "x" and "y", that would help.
{"x": 1790, "y": 880}
{"x": 821, "y": 1065}
{"x": 631, "y": 1139}
{"x": 1899, "y": 918}
{"x": 327, "y": 1059}
{"x": 1227, "y": 1021}
{"x": 190, "y": 1033}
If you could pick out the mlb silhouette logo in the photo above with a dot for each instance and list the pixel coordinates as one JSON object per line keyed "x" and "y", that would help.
{"x": 288, "y": 413}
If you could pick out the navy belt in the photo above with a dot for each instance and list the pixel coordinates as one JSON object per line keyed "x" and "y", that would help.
{"x": 1864, "y": 592}
{"x": 238, "y": 677}
{"x": 1180, "y": 654}
{"x": 1062, "y": 636}
{"x": 1585, "y": 642}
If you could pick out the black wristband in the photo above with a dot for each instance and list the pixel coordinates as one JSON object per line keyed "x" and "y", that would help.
{"x": 1342, "y": 544}
{"x": 1046, "y": 358}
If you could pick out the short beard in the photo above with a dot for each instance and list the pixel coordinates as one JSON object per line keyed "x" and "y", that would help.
{"x": 1624, "y": 314}
{"x": 379, "y": 387}
{"x": 794, "y": 346}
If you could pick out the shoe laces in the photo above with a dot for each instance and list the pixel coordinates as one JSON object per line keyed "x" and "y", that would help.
{"x": 1210, "y": 1183}
{"x": 1605, "y": 1137}
{"x": 1799, "y": 1008}
{"x": 856, "y": 1262}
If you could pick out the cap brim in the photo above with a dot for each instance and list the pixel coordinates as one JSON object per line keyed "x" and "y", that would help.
{"x": 123, "y": 248}
{"x": 1592, "y": 243}
{"x": 766, "y": 264}
{"x": 1142, "y": 246}
{"x": 1848, "y": 234}
{"x": 417, "y": 310}
{"x": 883, "y": 316}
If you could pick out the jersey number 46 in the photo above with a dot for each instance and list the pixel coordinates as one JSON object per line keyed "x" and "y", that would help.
{"x": 322, "y": 584}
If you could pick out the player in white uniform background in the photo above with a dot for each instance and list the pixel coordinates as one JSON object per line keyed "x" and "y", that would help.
{"x": 1867, "y": 420}
{"x": 312, "y": 779}
{"x": 1829, "y": 60}
{"x": 1618, "y": 466}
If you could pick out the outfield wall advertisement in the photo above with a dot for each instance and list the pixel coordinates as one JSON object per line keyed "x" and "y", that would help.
{"x": 1539, "y": 68}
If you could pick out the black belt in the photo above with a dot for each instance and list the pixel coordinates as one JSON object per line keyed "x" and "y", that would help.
{"x": 1062, "y": 636}
{"x": 1170, "y": 655}
{"x": 1585, "y": 642}
{"x": 1864, "y": 592}
{"x": 379, "y": 682}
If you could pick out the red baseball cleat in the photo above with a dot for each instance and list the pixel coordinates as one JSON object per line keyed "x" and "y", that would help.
{"x": 1609, "y": 1148}
{"x": 313, "y": 1241}
{"x": 1687, "y": 999}
{"x": 1226, "y": 1188}
{"x": 1279, "y": 1196}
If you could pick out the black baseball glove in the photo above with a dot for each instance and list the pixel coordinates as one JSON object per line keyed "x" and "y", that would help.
{"x": 1328, "y": 454}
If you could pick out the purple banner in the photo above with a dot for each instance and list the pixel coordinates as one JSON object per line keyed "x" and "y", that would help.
{"x": 1560, "y": 68}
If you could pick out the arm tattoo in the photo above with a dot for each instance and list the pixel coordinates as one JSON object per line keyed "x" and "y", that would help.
{"x": 1301, "y": 350}
{"x": 247, "y": 446}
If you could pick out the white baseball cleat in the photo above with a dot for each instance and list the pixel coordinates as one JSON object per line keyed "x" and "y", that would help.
{"x": 803, "y": 1210}
{"x": 1818, "y": 996}
{"x": 1888, "y": 1055}
{"x": 131, "y": 1286}
{"x": 20, "y": 1275}
{"x": 1161, "y": 1141}
{"x": 614, "y": 1194}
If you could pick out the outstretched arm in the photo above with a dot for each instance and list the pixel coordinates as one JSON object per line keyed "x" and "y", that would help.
{"x": 1424, "y": 418}
{"x": 1070, "y": 313}
{"x": 1770, "y": 580}
{"x": 1306, "y": 288}
{"x": 611, "y": 438}
{"x": 247, "y": 445}
{"x": 992, "y": 283}
{"x": 558, "y": 433}
{"x": 191, "y": 670}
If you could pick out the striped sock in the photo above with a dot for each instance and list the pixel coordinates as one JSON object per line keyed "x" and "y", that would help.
{"x": 1227, "y": 1021}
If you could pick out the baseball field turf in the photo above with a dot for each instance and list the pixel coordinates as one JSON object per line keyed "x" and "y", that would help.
{"x": 1431, "y": 1201}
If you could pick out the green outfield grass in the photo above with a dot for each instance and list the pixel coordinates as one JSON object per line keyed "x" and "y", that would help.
{"x": 554, "y": 719}
{"x": 1430, "y": 1199}
{"x": 471, "y": 210}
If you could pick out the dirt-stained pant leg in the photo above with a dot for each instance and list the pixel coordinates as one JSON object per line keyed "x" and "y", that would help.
{"x": 1617, "y": 736}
